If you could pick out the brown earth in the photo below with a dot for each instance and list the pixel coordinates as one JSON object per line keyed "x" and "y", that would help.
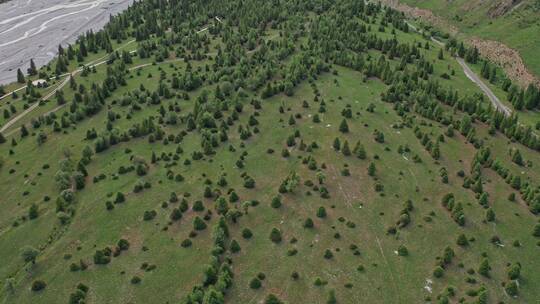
{"x": 423, "y": 14}
{"x": 508, "y": 58}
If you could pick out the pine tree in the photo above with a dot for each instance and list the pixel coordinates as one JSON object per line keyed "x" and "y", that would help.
{"x": 438, "y": 272}
{"x": 458, "y": 214}
{"x": 511, "y": 289}
{"x": 70, "y": 52}
{"x": 485, "y": 71}
{"x": 198, "y": 224}
{"x": 402, "y": 250}
{"x": 33, "y": 69}
{"x": 466, "y": 125}
{"x": 482, "y": 296}
{"x": 516, "y": 182}
{"x": 514, "y": 271}
{"x": 331, "y": 297}
{"x": 272, "y": 299}
{"x": 516, "y": 158}
{"x": 82, "y": 49}
{"x": 120, "y": 198}
{"x": 20, "y": 76}
{"x": 235, "y": 247}
{"x": 321, "y": 212}
{"x": 461, "y": 50}
{"x": 360, "y": 151}
{"x": 291, "y": 121}
{"x": 493, "y": 75}
{"x": 483, "y": 200}
{"x": 462, "y": 240}
{"x": 435, "y": 151}
{"x": 255, "y": 283}
{"x": 490, "y": 215}
{"x": 308, "y": 223}
{"x": 208, "y": 192}
{"x": 275, "y": 235}
{"x": 72, "y": 83}
{"x": 536, "y": 230}
{"x": 24, "y": 131}
{"x": 336, "y": 144}
{"x": 33, "y": 212}
{"x": 484, "y": 268}
{"x": 221, "y": 206}
{"x": 343, "y": 126}
{"x": 29, "y": 254}
{"x": 371, "y": 169}
{"x": 345, "y": 150}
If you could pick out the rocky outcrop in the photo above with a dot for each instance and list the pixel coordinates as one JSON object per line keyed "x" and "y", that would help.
{"x": 500, "y": 8}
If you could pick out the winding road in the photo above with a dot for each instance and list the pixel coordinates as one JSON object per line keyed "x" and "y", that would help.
{"x": 495, "y": 101}
{"x": 474, "y": 78}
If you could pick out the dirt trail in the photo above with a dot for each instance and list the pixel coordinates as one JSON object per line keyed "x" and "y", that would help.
{"x": 388, "y": 266}
{"x": 30, "y": 109}
{"x": 93, "y": 63}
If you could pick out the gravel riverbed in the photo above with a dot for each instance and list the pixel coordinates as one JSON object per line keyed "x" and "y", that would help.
{"x": 34, "y": 29}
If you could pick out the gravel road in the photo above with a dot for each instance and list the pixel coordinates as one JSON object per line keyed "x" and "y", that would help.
{"x": 35, "y": 28}
{"x": 474, "y": 78}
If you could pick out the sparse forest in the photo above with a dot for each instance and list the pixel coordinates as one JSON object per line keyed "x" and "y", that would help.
{"x": 249, "y": 151}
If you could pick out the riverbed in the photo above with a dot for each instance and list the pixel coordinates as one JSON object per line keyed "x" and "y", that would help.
{"x": 34, "y": 29}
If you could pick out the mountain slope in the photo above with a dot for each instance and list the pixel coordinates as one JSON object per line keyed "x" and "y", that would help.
{"x": 257, "y": 152}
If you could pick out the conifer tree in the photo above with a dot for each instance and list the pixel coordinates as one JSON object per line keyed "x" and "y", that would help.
{"x": 24, "y": 131}
{"x": 346, "y": 150}
{"x": 516, "y": 158}
{"x": 343, "y": 126}
{"x": 336, "y": 144}
{"x": 33, "y": 69}
{"x": 20, "y": 76}
{"x": 371, "y": 169}
{"x": 331, "y": 297}
{"x": 536, "y": 230}
{"x": 359, "y": 151}
{"x": 275, "y": 235}
{"x": 490, "y": 215}
{"x": 484, "y": 268}
{"x": 462, "y": 240}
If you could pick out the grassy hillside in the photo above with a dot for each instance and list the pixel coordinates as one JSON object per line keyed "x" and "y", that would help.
{"x": 255, "y": 152}
{"x": 514, "y": 23}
